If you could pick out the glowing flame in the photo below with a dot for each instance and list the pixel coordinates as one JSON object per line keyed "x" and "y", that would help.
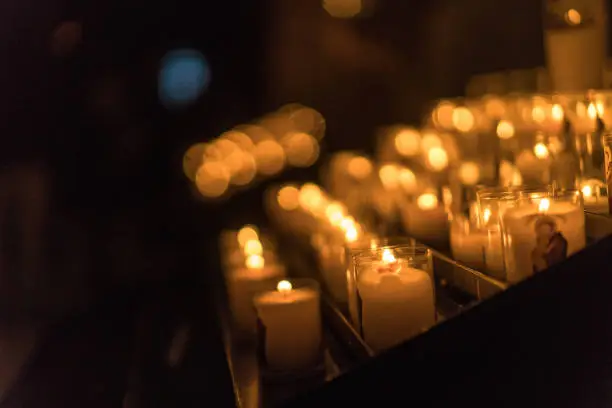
{"x": 438, "y": 158}
{"x": 347, "y": 222}
{"x": 388, "y": 257}
{"x": 351, "y": 234}
{"x": 557, "y": 113}
{"x": 253, "y": 247}
{"x": 544, "y": 205}
{"x": 335, "y": 213}
{"x": 486, "y": 215}
{"x": 587, "y": 191}
{"x": 505, "y": 130}
{"x": 284, "y": 286}
{"x": 247, "y": 233}
{"x": 592, "y": 111}
{"x": 541, "y": 151}
{"x": 427, "y": 201}
{"x": 255, "y": 262}
{"x": 289, "y": 198}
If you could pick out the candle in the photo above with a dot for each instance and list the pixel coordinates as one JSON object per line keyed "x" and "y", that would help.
{"x": 426, "y": 220}
{"x": 397, "y": 300}
{"x": 243, "y": 283}
{"x": 593, "y": 200}
{"x": 467, "y": 247}
{"x": 541, "y": 233}
{"x": 291, "y": 320}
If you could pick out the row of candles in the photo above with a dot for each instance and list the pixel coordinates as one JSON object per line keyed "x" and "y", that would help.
{"x": 288, "y": 137}
{"x": 267, "y": 306}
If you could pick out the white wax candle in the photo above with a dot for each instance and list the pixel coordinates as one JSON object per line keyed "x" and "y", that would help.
{"x": 429, "y": 224}
{"x": 333, "y": 269}
{"x": 494, "y": 255}
{"x": 242, "y": 285}
{"x": 539, "y": 236}
{"x": 575, "y": 58}
{"x": 397, "y": 303}
{"x": 292, "y": 322}
{"x": 467, "y": 247}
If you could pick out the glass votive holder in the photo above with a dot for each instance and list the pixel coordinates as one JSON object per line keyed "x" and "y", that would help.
{"x": 289, "y": 326}
{"x": 395, "y": 291}
{"x": 541, "y": 230}
{"x": 426, "y": 219}
{"x": 242, "y": 284}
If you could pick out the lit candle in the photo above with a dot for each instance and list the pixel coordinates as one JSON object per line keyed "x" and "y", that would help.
{"x": 291, "y": 320}
{"x": 243, "y": 283}
{"x": 426, "y": 219}
{"x": 541, "y": 233}
{"x": 397, "y": 301}
{"x": 593, "y": 200}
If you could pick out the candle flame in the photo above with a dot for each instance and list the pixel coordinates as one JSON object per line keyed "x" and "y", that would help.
{"x": 284, "y": 286}
{"x": 592, "y": 111}
{"x": 253, "y": 247}
{"x": 388, "y": 257}
{"x": 255, "y": 262}
{"x": 373, "y": 244}
{"x": 486, "y": 215}
{"x": 505, "y": 130}
{"x": 351, "y": 234}
{"x": 541, "y": 151}
{"x": 544, "y": 205}
{"x": 427, "y": 201}
{"x": 587, "y": 191}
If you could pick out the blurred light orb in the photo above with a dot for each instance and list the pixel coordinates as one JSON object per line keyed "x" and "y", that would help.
{"x": 587, "y": 191}
{"x": 557, "y": 113}
{"x": 255, "y": 262}
{"x": 437, "y": 158}
{"x": 505, "y": 130}
{"x": 429, "y": 141}
{"x": 538, "y": 114}
{"x": 592, "y": 111}
{"x": 184, "y": 76}
{"x": 288, "y": 198}
{"x": 269, "y": 157}
{"x": 212, "y": 179}
{"x": 573, "y": 17}
{"x": 247, "y": 171}
{"x": 246, "y": 234}
{"x": 463, "y": 119}
{"x": 241, "y": 139}
{"x": 469, "y": 173}
{"x": 192, "y": 160}
{"x": 443, "y": 114}
{"x": 427, "y": 201}
{"x": 359, "y": 167}
{"x": 311, "y": 196}
{"x": 305, "y": 119}
{"x": 343, "y": 8}
{"x": 389, "y": 176}
{"x": 408, "y": 142}
{"x": 541, "y": 151}
{"x": 407, "y": 180}
{"x": 253, "y": 247}
{"x": 495, "y": 108}
{"x": 301, "y": 149}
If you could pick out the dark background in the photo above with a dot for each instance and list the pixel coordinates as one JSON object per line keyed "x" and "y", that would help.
{"x": 99, "y": 224}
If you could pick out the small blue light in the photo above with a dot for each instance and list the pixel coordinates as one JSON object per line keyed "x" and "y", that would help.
{"x": 184, "y": 76}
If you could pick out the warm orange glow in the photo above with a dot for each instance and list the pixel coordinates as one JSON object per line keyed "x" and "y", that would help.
{"x": 284, "y": 286}
{"x": 212, "y": 179}
{"x": 253, "y": 247}
{"x": 557, "y": 113}
{"x": 255, "y": 262}
{"x": 407, "y": 180}
{"x": 269, "y": 157}
{"x": 241, "y": 139}
{"x": 388, "y": 257}
{"x": 192, "y": 160}
{"x": 544, "y": 205}
{"x": 343, "y": 8}
{"x": 247, "y": 170}
{"x": 443, "y": 114}
{"x": 351, "y": 234}
{"x": 407, "y": 142}
{"x": 541, "y": 151}
{"x": 573, "y": 17}
{"x": 359, "y": 167}
{"x": 469, "y": 173}
{"x": 463, "y": 119}
{"x": 247, "y": 233}
{"x": 592, "y": 111}
{"x": 495, "y": 108}
{"x": 301, "y": 149}
{"x": 427, "y": 201}
{"x": 505, "y": 129}
{"x": 288, "y": 198}
{"x": 389, "y": 176}
{"x": 538, "y": 114}
{"x": 587, "y": 191}
{"x": 429, "y": 141}
{"x": 335, "y": 213}
{"x": 437, "y": 158}
{"x": 311, "y": 196}
{"x": 600, "y": 108}
{"x": 486, "y": 215}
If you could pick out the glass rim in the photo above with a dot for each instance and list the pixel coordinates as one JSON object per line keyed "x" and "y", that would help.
{"x": 373, "y": 254}
{"x": 365, "y": 243}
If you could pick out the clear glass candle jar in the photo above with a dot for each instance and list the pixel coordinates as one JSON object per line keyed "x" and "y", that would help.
{"x": 395, "y": 292}
{"x": 542, "y": 229}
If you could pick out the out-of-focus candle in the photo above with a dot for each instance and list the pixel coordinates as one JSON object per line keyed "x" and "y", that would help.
{"x": 540, "y": 233}
{"x": 290, "y": 317}
{"x": 425, "y": 219}
{"x": 397, "y": 300}
{"x": 593, "y": 201}
{"x": 244, "y": 283}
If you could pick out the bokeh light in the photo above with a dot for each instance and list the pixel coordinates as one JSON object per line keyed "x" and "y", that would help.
{"x": 301, "y": 149}
{"x": 407, "y": 180}
{"x": 408, "y": 142}
{"x": 389, "y": 176}
{"x": 437, "y": 158}
{"x": 463, "y": 119}
{"x": 541, "y": 151}
{"x": 469, "y": 173}
{"x": 359, "y": 167}
{"x": 289, "y": 198}
{"x": 505, "y": 130}
{"x": 269, "y": 157}
{"x": 192, "y": 160}
{"x": 212, "y": 179}
{"x": 427, "y": 201}
{"x": 247, "y": 233}
{"x": 429, "y": 141}
{"x": 183, "y": 77}
{"x": 343, "y": 8}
